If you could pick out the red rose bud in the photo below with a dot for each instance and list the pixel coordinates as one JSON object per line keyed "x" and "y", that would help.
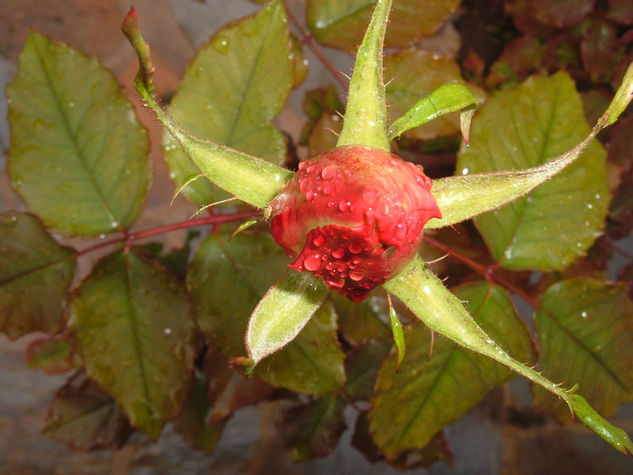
{"x": 353, "y": 216}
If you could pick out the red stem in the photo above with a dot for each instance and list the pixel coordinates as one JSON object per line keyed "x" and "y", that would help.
{"x": 488, "y": 272}
{"x": 308, "y": 40}
{"x": 130, "y": 238}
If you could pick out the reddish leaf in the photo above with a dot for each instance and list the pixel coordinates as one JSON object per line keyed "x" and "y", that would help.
{"x": 620, "y": 11}
{"x": 84, "y": 417}
{"x": 620, "y": 218}
{"x": 228, "y": 389}
{"x": 599, "y": 50}
{"x": 52, "y": 354}
{"x": 193, "y": 423}
{"x": 561, "y": 13}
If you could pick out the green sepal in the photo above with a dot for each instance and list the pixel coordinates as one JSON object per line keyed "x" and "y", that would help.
{"x": 365, "y": 114}
{"x": 398, "y": 334}
{"x": 250, "y": 179}
{"x": 283, "y": 312}
{"x": 463, "y": 197}
{"x": 441, "y": 311}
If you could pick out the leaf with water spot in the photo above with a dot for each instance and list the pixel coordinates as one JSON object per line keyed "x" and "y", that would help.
{"x": 227, "y": 280}
{"x": 411, "y": 405}
{"x": 341, "y": 23}
{"x": 78, "y": 153}
{"x": 585, "y": 336}
{"x": 35, "y": 275}
{"x": 235, "y": 85}
{"x": 524, "y": 127}
{"x": 131, "y": 324}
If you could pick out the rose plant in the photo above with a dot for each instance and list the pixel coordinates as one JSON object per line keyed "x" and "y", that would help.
{"x": 351, "y": 219}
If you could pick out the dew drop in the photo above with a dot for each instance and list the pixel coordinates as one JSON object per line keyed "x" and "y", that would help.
{"x": 328, "y": 172}
{"x": 318, "y": 240}
{"x": 312, "y": 262}
{"x": 338, "y": 253}
{"x": 583, "y": 314}
{"x": 356, "y": 275}
{"x": 426, "y": 289}
{"x": 344, "y": 205}
{"x": 589, "y": 205}
{"x": 354, "y": 249}
{"x": 465, "y": 171}
{"x": 167, "y": 331}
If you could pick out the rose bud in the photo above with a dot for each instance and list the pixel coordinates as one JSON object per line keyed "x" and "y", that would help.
{"x": 353, "y": 216}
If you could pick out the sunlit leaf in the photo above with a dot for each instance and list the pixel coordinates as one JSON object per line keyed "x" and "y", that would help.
{"x": 528, "y": 126}
{"x": 314, "y": 429}
{"x": 78, "y": 153}
{"x": 407, "y": 86}
{"x": 132, "y": 327}
{"x": 411, "y": 405}
{"x": 585, "y": 336}
{"x": 35, "y": 274}
{"x": 341, "y": 23}
{"x": 236, "y": 84}
{"x": 85, "y": 418}
{"x": 194, "y": 423}
{"x": 227, "y": 280}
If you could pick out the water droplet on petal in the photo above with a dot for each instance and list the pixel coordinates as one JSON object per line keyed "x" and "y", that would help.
{"x": 356, "y": 275}
{"x": 338, "y": 253}
{"x": 312, "y": 262}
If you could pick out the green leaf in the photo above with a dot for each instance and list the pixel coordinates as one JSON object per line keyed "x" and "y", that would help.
{"x": 585, "y": 336}
{"x": 411, "y": 405}
{"x": 407, "y": 88}
{"x": 35, "y": 274}
{"x": 132, "y": 327}
{"x": 283, "y": 312}
{"x": 194, "y": 422}
{"x": 341, "y": 23}
{"x": 78, "y": 153}
{"x": 85, "y": 418}
{"x": 361, "y": 368}
{"x": 314, "y": 429}
{"x": 313, "y": 362}
{"x": 365, "y": 113}
{"x": 622, "y": 98}
{"x": 442, "y": 312}
{"x": 235, "y": 85}
{"x": 525, "y": 127}
{"x": 364, "y": 320}
{"x": 227, "y": 280}
{"x": 443, "y": 100}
